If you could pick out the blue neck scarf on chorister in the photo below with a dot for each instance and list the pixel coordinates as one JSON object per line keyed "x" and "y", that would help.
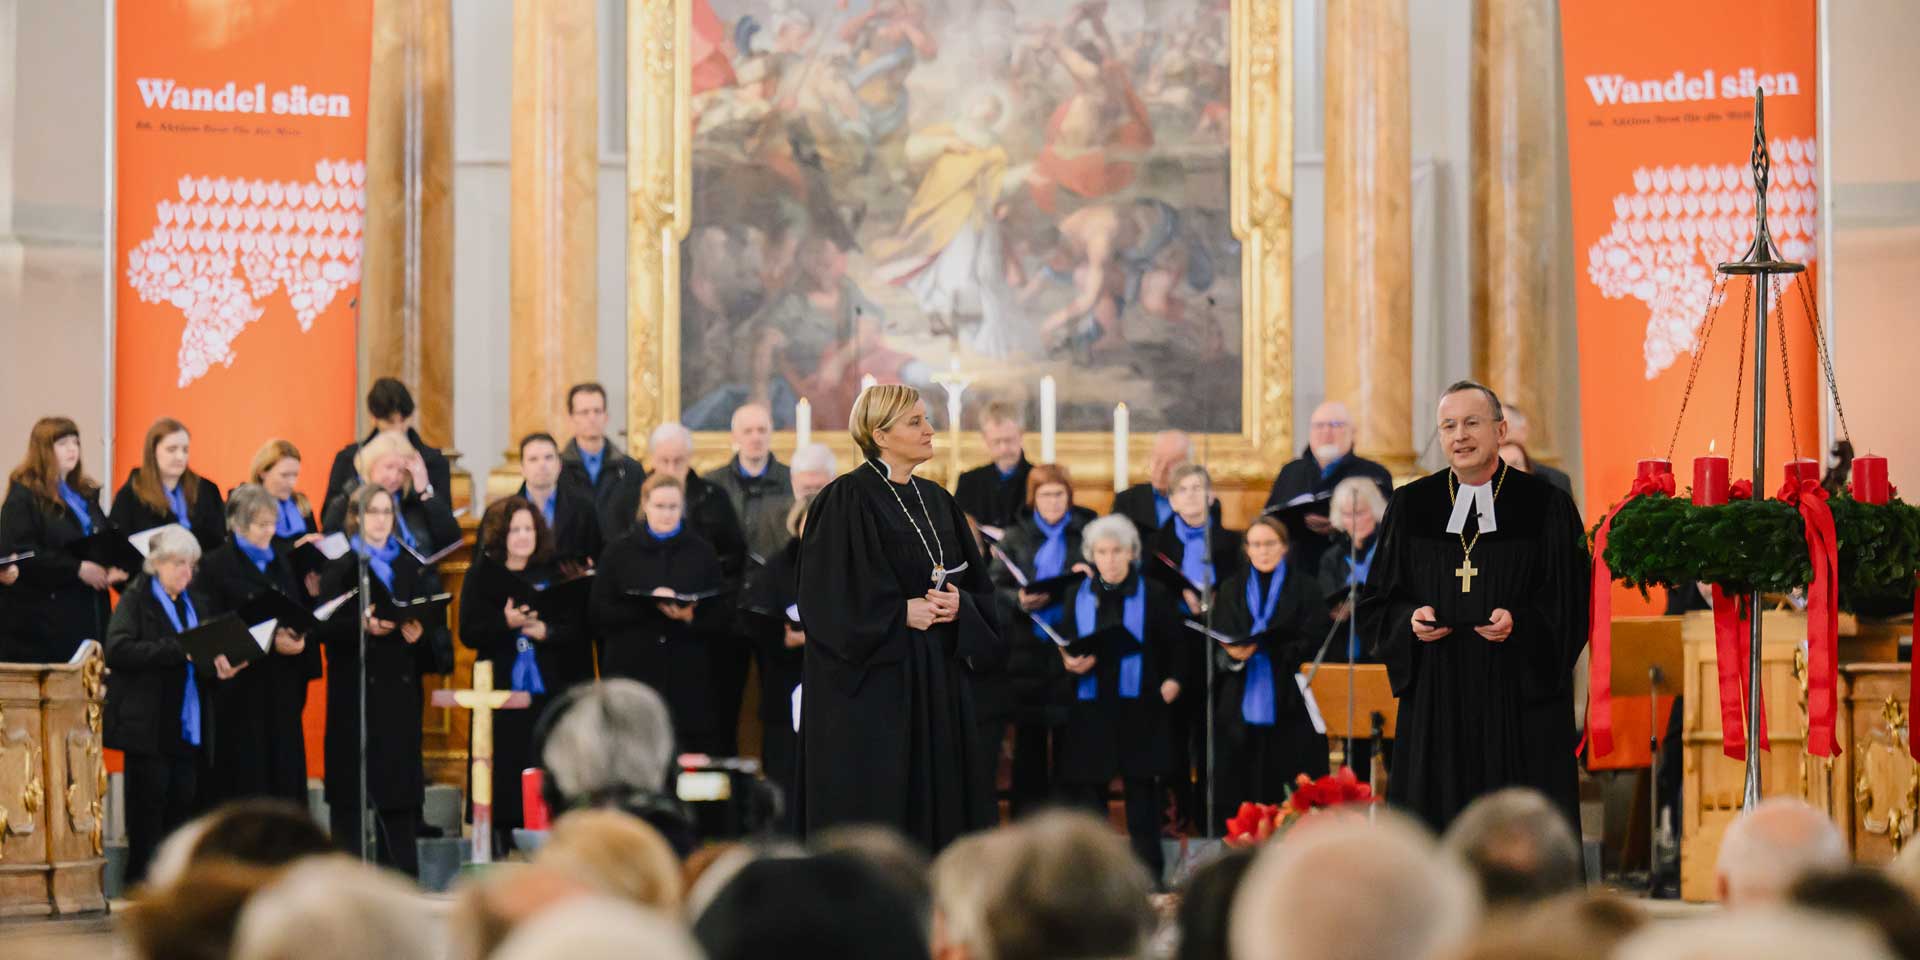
{"x": 261, "y": 556}
{"x": 1050, "y": 561}
{"x": 1326, "y": 472}
{"x": 664, "y": 537}
{"x": 190, "y": 700}
{"x": 526, "y": 667}
{"x": 1257, "y": 701}
{"x": 289, "y": 523}
{"x": 78, "y": 504}
{"x": 1357, "y": 574}
{"x": 379, "y": 560}
{"x": 1162, "y": 508}
{"x": 592, "y": 462}
{"x": 1086, "y": 613}
{"x": 177, "y": 499}
{"x": 549, "y": 505}
{"x": 1196, "y": 555}
{"x": 400, "y": 526}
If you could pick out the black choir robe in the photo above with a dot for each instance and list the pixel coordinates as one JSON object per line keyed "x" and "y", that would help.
{"x": 342, "y": 477}
{"x": 1259, "y": 763}
{"x": 707, "y": 513}
{"x": 1137, "y": 504}
{"x": 1111, "y": 736}
{"x": 640, "y": 642}
{"x": 615, "y": 466}
{"x": 777, "y": 587}
{"x": 430, "y": 520}
{"x": 1477, "y": 716}
{"x": 576, "y": 524}
{"x": 1303, "y": 475}
{"x": 1034, "y": 686}
{"x": 887, "y": 712}
{"x": 147, "y": 676}
{"x": 49, "y": 609}
{"x": 258, "y": 748}
{"x": 564, "y": 659}
{"x": 991, "y": 499}
{"x": 206, "y": 512}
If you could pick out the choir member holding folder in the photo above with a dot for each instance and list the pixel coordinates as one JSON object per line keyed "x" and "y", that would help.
{"x": 52, "y": 506}
{"x": 521, "y": 612}
{"x": 163, "y": 489}
{"x": 399, "y": 653}
{"x": 159, "y": 711}
{"x": 1264, "y": 735}
{"x": 1128, "y": 672}
{"x": 646, "y": 604}
{"x": 258, "y": 748}
{"x": 1035, "y": 567}
{"x": 277, "y": 469}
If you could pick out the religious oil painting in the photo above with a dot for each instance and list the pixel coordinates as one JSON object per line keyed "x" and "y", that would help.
{"x": 917, "y": 191}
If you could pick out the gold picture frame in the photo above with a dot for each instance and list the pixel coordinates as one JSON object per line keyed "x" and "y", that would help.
{"x": 1260, "y": 152}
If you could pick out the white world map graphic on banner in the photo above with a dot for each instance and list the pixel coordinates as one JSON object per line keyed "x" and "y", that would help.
{"x": 224, "y": 246}
{"x": 1678, "y": 223}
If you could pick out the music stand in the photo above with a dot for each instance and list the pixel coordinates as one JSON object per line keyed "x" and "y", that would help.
{"x": 1649, "y": 660}
{"x": 1372, "y": 694}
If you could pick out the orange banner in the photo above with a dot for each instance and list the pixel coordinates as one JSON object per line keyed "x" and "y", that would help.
{"x": 1660, "y": 102}
{"x": 240, "y": 134}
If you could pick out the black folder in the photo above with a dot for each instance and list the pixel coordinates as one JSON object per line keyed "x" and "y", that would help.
{"x": 640, "y": 594}
{"x": 1458, "y": 626}
{"x": 1053, "y": 587}
{"x": 1163, "y": 569}
{"x": 276, "y": 606}
{"x": 428, "y": 610}
{"x": 225, "y": 635}
{"x": 109, "y": 548}
{"x": 429, "y": 559}
{"x": 1224, "y": 638}
{"x": 13, "y": 558}
{"x": 552, "y": 601}
{"x": 311, "y": 557}
{"x": 1106, "y": 641}
{"x": 1294, "y": 513}
{"x": 771, "y": 618}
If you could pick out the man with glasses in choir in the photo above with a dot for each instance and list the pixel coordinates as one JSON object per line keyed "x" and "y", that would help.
{"x": 1305, "y": 486}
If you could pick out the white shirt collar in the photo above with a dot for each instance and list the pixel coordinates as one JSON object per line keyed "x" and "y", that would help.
{"x": 1480, "y": 497}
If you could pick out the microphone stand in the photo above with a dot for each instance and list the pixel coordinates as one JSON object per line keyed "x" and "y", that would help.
{"x": 1353, "y": 636}
{"x": 1207, "y": 599}
{"x": 366, "y": 810}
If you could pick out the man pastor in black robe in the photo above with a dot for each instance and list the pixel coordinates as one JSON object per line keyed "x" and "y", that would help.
{"x": 1479, "y": 621}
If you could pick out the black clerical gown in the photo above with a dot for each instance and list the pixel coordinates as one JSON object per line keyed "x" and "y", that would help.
{"x": 1477, "y": 716}
{"x": 1259, "y": 762}
{"x": 259, "y": 748}
{"x": 575, "y": 524}
{"x": 49, "y": 609}
{"x": 992, "y": 499}
{"x": 206, "y": 513}
{"x": 887, "y": 711}
{"x": 1111, "y": 735}
{"x": 777, "y": 588}
{"x": 640, "y": 642}
{"x": 1305, "y": 476}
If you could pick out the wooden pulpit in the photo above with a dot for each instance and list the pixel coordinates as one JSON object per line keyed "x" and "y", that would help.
{"x": 53, "y": 785}
{"x": 1348, "y": 698}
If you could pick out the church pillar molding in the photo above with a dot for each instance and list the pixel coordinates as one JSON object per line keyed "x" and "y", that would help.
{"x": 1369, "y": 230}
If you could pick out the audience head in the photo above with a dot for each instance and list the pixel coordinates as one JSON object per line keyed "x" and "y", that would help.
{"x": 513, "y": 529}
{"x": 1057, "y": 885}
{"x": 370, "y": 512}
{"x": 828, "y": 905}
{"x": 1572, "y": 926}
{"x": 618, "y": 855}
{"x": 1171, "y": 448}
{"x": 1050, "y": 491}
{"x": 598, "y": 928}
{"x": 1868, "y": 896}
{"x": 606, "y": 743}
{"x": 163, "y": 466}
{"x": 898, "y": 861}
{"x": 1771, "y": 933}
{"x": 335, "y": 908}
{"x": 193, "y": 917}
{"x": 671, "y": 448}
{"x": 889, "y": 418}
{"x": 1266, "y": 543}
{"x": 1518, "y": 845}
{"x": 386, "y": 461}
{"x": 390, "y": 405}
{"x": 752, "y": 432}
{"x": 1357, "y": 507}
{"x": 1330, "y": 432}
{"x": 1768, "y": 848}
{"x": 663, "y": 502}
{"x": 1190, "y": 492}
{"x": 489, "y": 906}
{"x": 1472, "y": 429}
{"x": 256, "y": 832}
{"x": 797, "y": 515}
{"x": 53, "y": 457}
{"x": 814, "y": 465}
{"x": 252, "y": 514}
{"x": 277, "y": 468}
{"x": 1206, "y": 906}
{"x": 587, "y": 413}
{"x": 540, "y": 462}
{"x": 1002, "y": 426}
{"x": 1355, "y": 888}
{"x": 1110, "y": 543}
{"x": 171, "y": 556}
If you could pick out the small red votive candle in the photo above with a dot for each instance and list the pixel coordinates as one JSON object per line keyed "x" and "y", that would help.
{"x": 1710, "y": 480}
{"x": 533, "y": 800}
{"x": 1870, "y": 479}
{"x": 1802, "y": 471}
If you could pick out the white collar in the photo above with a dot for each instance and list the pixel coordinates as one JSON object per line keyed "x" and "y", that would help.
{"x": 1480, "y": 496}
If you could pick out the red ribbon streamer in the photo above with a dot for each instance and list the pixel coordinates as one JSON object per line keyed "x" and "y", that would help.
{"x": 1732, "y": 634}
{"x": 1913, "y": 679}
{"x": 1600, "y": 622}
{"x": 1823, "y": 615}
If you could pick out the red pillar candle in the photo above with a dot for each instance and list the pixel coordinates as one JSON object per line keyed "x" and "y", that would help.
{"x": 1649, "y": 469}
{"x": 533, "y": 799}
{"x": 1870, "y": 479}
{"x": 1803, "y": 470}
{"x": 1709, "y": 481}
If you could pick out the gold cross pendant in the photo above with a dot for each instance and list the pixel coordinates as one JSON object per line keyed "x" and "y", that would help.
{"x": 1466, "y": 572}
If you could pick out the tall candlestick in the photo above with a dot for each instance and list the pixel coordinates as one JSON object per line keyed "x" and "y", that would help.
{"x": 1802, "y": 470}
{"x": 1870, "y": 479}
{"x": 802, "y": 423}
{"x": 1048, "y": 423}
{"x": 1710, "y": 481}
{"x": 1119, "y": 447}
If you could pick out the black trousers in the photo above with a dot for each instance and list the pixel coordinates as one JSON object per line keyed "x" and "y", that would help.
{"x": 160, "y": 797}
{"x": 1142, "y": 797}
{"x": 1032, "y": 768}
{"x": 728, "y": 658}
{"x": 395, "y": 832}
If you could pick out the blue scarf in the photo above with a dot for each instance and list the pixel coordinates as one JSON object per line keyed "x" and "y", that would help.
{"x": 379, "y": 561}
{"x": 190, "y": 700}
{"x": 1050, "y": 561}
{"x": 1162, "y": 509}
{"x": 289, "y": 523}
{"x": 1008, "y": 473}
{"x": 1086, "y": 610}
{"x": 1361, "y": 567}
{"x": 177, "y": 499}
{"x": 1326, "y": 472}
{"x": 1196, "y": 555}
{"x": 400, "y": 526}
{"x": 548, "y": 506}
{"x": 745, "y": 474}
{"x": 664, "y": 537}
{"x": 261, "y": 556}
{"x": 78, "y": 504}
{"x": 1257, "y": 701}
{"x": 593, "y": 462}
{"x": 526, "y": 667}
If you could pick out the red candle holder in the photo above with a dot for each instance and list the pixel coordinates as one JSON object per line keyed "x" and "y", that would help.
{"x": 1870, "y": 479}
{"x": 1803, "y": 470}
{"x": 1710, "y": 481}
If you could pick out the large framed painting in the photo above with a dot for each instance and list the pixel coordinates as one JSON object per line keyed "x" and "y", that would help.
{"x": 830, "y": 192}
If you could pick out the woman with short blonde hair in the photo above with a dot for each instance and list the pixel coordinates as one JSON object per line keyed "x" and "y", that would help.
{"x": 616, "y": 854}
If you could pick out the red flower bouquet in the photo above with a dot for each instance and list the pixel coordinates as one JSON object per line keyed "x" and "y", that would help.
{"x": 1255, "y": 823}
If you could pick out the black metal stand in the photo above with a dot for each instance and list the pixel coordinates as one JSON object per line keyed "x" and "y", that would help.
{"x": 366, "y": 809}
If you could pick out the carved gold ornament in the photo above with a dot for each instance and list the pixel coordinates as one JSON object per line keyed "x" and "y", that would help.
{"x": 1886, "y": 791}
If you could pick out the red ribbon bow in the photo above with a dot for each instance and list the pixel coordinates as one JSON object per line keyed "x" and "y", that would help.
{"x": 1600, "y": 621}
{"x": 1732, "y": 626}
{"x": 1823, "y": 614}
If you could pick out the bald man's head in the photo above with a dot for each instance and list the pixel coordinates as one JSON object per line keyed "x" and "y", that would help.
{"x": 1768, "y": 848}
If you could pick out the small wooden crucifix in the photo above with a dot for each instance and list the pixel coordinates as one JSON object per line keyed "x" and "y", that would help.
{"x": 1466, "y": 572}
{"x": 483, "y": 700}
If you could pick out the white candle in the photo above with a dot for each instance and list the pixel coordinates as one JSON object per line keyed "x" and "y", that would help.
{"x": 1119, "y": 447}
{"x": 867, "y": 382}
{"x": 1048, "y": 424}
{"x": 802, "y": 423}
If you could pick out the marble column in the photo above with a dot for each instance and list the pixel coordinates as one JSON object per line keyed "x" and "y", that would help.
{"x": 1515, "y": 258}
{"x": 406, "y": 290}
{"x": 554, "y": 337}
{"x": 1369, "y": 244}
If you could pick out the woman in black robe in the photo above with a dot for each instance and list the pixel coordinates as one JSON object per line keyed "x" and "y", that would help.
{"x": 259, "y": 747}
{"x": 1120, "y": 721}
{"x": 779, "y": 648}
{"x": 163, "y": 489}
{"x": 424, "y": 523}
{"x": 276, "y": 468}
{"x": 1355, "y": 512}
{"x": 1264, "y": 737}
{"x": 58, "y": 598}
{"x": 398, "y": 654}
{"x": 887, "y": 716}
{"x": 540, "y": 654}
{"x": 657, "y": 641}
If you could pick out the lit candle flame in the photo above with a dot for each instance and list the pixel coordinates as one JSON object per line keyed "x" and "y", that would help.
{"x": 1710, "y": 445}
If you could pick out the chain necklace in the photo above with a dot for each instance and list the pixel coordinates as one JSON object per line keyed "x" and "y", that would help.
{"x": 1467, "y": 571}
{"x": 940, "y": 561}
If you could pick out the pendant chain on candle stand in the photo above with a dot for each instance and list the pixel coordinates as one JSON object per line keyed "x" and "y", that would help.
{"x": 1715, "y": 301}
{"x": 1786, "y": 374}
{"x": 1740, "y": 369}
{"x": 1826, "y": 358}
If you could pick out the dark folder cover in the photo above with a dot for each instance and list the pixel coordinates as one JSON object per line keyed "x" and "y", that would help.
{"x": 429, "y": 610}
{"x": 678, "y": 598}
{"x": 553, "y": 601}
{"x": 1106, "y": 641}
{"x": 225, "y": 635}
{"x": 274, "y": 605}
{"x": 1163, "y": 569}
{"x": 109, "y": 548}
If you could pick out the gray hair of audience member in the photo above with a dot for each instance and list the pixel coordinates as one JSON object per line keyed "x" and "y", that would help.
{"x": 1572, "y": 926}
{"x": 172, "y": 542}
{"x": 1350, "y": 887}
{"x": 1772, "y": 933}
{"x": 1766, "y": 849}
{"x": 668, "y": 432}
{"x": 337, "y": 908}
{"x": 599, "y": 928}
{"x": 815, "y": 458}
{"x": 1518, "y": 845}
{"x": 613, "y": 738}
{"x": 1359, "y": 492}
{"x": 1059, "y": 884}
{"x": 1185, "y": 470}
{"x": 249, "y": 500}
{"x": 889, "y": 853}
{"x": 1112, "y": 528}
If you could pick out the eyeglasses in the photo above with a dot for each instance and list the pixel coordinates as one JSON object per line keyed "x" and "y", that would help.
{"x": 378, "y": 512}
{"x": 1328, "y": 425}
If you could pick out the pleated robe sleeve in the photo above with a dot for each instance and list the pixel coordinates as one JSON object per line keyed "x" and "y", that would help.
{"x": 851, "y": 604}
{"x": 979, "y": 639}
{"x": 1550, "y": 631}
